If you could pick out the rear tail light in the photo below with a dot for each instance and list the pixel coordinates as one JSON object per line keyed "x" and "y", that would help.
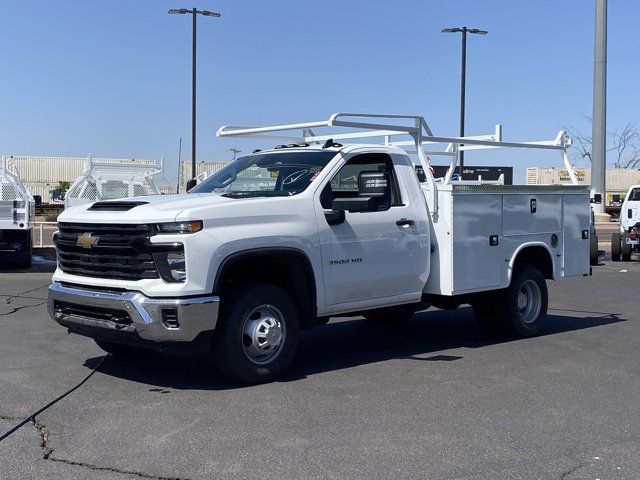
{"x": 633, "y": 234}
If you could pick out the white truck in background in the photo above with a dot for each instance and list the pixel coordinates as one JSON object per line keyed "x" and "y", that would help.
{"x": 17, "y": 213}
{"x": 627, "y": 241}
{"x": 283, "y": 239}
{"x": 108, "y": 179}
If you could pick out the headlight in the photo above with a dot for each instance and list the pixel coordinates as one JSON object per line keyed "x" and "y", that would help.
{"x": 179, "y": 227}
{"x": 171, "y": 266}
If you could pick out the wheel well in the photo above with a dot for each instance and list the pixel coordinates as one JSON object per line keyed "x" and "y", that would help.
{"x": 537, "y": 256}
{"x": 289, "y": 269}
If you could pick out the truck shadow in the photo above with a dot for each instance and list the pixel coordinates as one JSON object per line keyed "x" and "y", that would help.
{"x": 346, "y": 343}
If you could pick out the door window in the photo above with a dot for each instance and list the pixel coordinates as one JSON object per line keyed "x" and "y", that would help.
{"x": 344, "y": 183}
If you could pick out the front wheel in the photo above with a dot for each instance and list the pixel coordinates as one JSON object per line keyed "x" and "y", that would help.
{"x": 257, "y": 334}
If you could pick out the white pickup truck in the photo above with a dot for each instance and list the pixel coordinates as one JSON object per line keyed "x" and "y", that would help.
{"x": 627, "y": 240}
{"x": 283, "y": 239}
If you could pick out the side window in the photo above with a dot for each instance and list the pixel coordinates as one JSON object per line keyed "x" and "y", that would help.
{"x": 344, "y": 183}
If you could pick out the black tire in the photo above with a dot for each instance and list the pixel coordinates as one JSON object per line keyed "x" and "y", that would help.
{"x": 503, "y": 312}
{"x": 120, "y": 350}
{"x": 625, "y": 249}
{"x": 236, "y": 352}
{"x": 616, "y": 247}
{"x": 593, "y": 250}
{"x": 391, "y": 315}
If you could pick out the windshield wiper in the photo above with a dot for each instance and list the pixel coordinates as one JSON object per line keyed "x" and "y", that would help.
{"x": 254, "y": 193}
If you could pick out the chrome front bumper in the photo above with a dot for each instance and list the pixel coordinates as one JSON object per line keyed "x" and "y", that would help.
{"x": 132, "y": 316}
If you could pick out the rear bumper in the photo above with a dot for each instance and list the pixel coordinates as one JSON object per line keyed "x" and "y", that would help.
{"x": 133, "y": 318}
{"x": 15, "y": 241}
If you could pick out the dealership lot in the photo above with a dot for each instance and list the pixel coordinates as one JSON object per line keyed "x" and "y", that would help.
{"x": 434, "y": 399}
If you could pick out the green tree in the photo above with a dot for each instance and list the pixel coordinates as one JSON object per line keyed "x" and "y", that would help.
{"x": 62, "y": 187}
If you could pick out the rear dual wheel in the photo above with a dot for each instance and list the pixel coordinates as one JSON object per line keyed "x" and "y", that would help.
{"x": 520, "y": 310}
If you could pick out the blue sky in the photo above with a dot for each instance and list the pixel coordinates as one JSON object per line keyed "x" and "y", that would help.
{"x": 112, "y": 78}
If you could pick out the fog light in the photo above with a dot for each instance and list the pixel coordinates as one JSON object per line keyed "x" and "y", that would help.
{"x": 171, "y": 266}
{"x": 177, "y": 266}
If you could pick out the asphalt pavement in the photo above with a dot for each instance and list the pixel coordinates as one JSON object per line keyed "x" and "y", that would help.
{"x": 434, "y": 399}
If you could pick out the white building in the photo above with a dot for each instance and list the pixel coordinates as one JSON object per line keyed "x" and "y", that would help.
{"x": 618, "y": 179}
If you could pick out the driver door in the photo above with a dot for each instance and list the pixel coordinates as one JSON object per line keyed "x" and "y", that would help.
{"x": 374, "y": 254}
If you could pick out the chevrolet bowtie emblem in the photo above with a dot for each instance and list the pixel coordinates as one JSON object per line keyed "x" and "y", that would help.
{"x": 86, "y": 240}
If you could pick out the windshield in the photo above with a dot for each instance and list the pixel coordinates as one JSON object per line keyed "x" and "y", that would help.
{"x": 267, "y": 174}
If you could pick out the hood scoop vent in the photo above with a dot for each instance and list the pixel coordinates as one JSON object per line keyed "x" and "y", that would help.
{"x": 119, "y": 206}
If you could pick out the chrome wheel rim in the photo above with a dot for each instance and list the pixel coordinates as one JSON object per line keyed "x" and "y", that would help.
{"x": 263, "y": 334}
{"x": 529, "y": 301}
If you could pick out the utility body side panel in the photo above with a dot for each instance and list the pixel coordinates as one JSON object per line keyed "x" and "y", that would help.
{"x": 480, "y": 230}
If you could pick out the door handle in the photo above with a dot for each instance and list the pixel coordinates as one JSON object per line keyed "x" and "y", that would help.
{"x": 405, "y": 222}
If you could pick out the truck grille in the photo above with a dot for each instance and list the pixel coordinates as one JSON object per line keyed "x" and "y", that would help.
{"x": 106, "y": 250}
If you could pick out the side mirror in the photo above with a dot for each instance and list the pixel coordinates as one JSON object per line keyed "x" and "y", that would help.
{"x": 190, "y": 184}
{"x": 376, "y": 185}
{"x": 358, "y": 204}
{"x": 597, "y": 198}
{"x": 334, "y": 217}
{"x": 374, "y": 194}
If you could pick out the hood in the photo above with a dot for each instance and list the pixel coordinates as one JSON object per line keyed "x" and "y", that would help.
{"x": 152, "y": 208}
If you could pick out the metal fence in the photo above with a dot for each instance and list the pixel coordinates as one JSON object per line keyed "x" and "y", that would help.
{"x": 43, "y": 234}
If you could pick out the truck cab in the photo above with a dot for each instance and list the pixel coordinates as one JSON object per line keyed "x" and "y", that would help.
{"x": 627, "y": 241}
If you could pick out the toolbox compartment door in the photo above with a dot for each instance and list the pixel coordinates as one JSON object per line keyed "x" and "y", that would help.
{"x": 576, "y": 219}
{"x": 532, "y": 213}
{"x": 478, "y": 262}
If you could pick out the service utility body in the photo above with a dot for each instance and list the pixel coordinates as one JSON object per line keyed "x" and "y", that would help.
{"x": 283, "y": 239}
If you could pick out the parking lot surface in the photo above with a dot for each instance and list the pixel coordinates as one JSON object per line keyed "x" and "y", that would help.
{"x": 433, "y": 399}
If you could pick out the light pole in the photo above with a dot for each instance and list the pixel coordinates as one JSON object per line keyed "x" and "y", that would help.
{"x": 464, "y": 31}
{"x": 599, "y": 127}
{"x": 194, "y": 12}
{"x": 235, "y": 152}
